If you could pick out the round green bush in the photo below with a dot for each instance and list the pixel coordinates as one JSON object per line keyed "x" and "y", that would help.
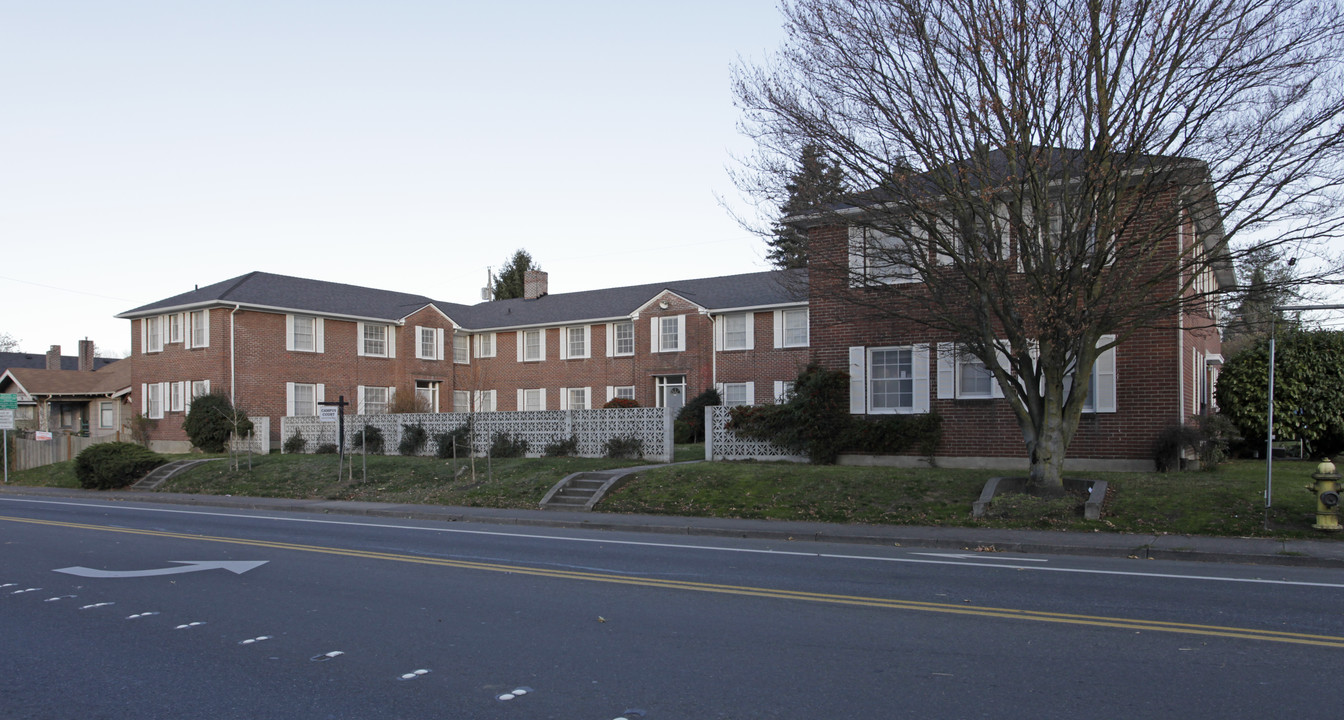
{"x": 107, "y": 466}
{"x": 210, "y": 422}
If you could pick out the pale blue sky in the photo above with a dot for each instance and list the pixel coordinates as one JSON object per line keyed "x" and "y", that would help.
{"x": 146, "y": 147}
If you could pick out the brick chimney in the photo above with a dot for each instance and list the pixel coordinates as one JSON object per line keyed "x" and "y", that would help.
{"x": 86, "y": 355}
{"x": 534, "y": 284}
{"x": 54, "y": 358}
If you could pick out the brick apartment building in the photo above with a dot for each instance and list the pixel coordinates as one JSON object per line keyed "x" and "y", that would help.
{"x": 278, "y": 345}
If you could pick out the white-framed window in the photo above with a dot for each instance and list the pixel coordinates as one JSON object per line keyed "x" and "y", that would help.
{"x": 461, "y": 401}
{"x": 485, "y": 401}
{"x": 964, "y": 376}
{"x": 153, "y": 404}
{"x": 620, "y": 339}
{"x": 532, "y": 399}
{"x": 304, "y": 333}
{"x": 531, "y": 345}
{"x": 783, "y": 391}
{"x": 199, "y": 388}
{"x": 791, "y": 328}
{"x": 1101, "y": 392}
{"x": 736, "y": 332}
{"x": 301, "y": 399}
{"x": 574, "y": 398}
{"x": 974, "y": 380}
{"x": 428, "y": 343}
{"x": 461, "y": 348}
{"x": 735, "y": 394}
{"x": 153, "y": 334}
{"x": 889, "y": 379}
{"x": 427, "y": 395}
{"x": 176, "y": 396}
{"x": 669, "y": 333}
{"x": 625, "y": 392}
{"x": 175, "y": 328}
{"x": 198, "y": 328}
{"x": 376, "y": 340}
{"x": 374, "y": 400}
{"x": 875, "y": 257}
{"x": 485, "y": 345}
{"x": 107, "y": 414}
{"x": 574, "y": 342}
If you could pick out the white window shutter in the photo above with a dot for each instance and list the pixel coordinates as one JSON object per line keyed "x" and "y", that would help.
{"x": 391, "y": 342}
{"x": 319, "y": 335}
{"x": 858, "y": 381}
{"x": 359, "y": 399}
{"x": 611, "y": 392}
{"x": 564, "y": 344}
{"x": 654, "y": 334}
{"x": 751, "y": 392}
{"x": 207, "y": 387}
{"x": 1105, "y": 390}
{"x": 856, "y": 256}
{"x": 721, "y": 389}
{"x": 996, "y": 390}
{"x": 289, "y": 340}
{"x": 919, "y": 357}
{"x": 144, "y": 337}
{"x": 611, "y": 341}
{"x": 522, "y": 401}
{"x": 320, "y": 392}
{"x": 779, "y": 329}
{"x": 751, "y": 330}
{"x": 289, "y": 399}
{"x": 438, "y": 344}
{"x": 186, "y": 331}
{"x": 419, "y": 354}
{"x": 720, "y": 328}
{"x": 359, "y": 345}
{"x": 587, "y": 340}
{"x": 681, "y": 332}
{"x": 205, "y": 327}
{"x": 543, "y": 398}
{"x": 564, "y": 398}
{"x": 144, "y": 397}
{"x": 520, "y": 338}
{"x": 947, "y": 371}
{"x": 779, "y": 391}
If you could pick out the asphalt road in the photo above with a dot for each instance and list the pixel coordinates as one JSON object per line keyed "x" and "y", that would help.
{"x": 360, "y": 618}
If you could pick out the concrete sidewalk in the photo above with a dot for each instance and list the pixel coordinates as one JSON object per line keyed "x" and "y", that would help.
{"x": 1307, "y": 553}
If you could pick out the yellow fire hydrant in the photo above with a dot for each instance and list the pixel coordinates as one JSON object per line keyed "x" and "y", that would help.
{"x": 1326, "y": 489}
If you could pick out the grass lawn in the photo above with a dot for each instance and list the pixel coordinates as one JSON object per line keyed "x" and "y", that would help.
{"x": 1225, "y": 501}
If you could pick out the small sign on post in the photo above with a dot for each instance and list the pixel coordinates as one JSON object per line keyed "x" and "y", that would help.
{"x": 9, "y": 401}
{"x": 328, "y": 413}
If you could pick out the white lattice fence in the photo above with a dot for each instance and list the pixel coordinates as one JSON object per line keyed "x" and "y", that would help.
{"x": 592, "y": 428}
{"x": 260, "y": 439}
{"x": 723, "y": 444}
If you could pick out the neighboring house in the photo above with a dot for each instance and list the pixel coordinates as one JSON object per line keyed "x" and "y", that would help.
{"x": 279, "y": 345}
{"x": 89, "y": 398}
{"x": 1158, "y": 377}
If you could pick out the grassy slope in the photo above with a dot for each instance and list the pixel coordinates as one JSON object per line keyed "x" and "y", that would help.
{"x": 1226, "y": 501}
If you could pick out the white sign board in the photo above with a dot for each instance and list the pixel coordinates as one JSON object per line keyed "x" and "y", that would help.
{"x": 327, "y": 413}
{"x": 40, "y": 435}
{"x": 6, "y": 419}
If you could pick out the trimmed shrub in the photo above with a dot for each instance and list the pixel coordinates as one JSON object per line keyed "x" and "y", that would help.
{"x": 295, "y": 444}
{"x": 460, "y": 437}
{"x": 413, "y": 439}
{"x": 327, "y": 449}
{"x": 690, "y": 424}
{"x": 374, "y": 444}
{"x": 568, "y": 447}
{"x": 107, "y": 466}
{"x": 1209, "y": 439}
{"x": 621, "y": 403}
{"x": 627, "y": 446}
{"x": 210, "y": 423}
{"x": 505, "y": 445}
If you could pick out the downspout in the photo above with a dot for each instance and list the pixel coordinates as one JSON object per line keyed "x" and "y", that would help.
{"x": 233, "y": 398}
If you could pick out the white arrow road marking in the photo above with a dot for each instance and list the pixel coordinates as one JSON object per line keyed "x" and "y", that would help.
{"x": 184, "y": 566}
{"x": 979, "y": 556}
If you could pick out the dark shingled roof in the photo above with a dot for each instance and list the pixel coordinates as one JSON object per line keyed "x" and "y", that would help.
{"x": 717, "y": 293}
{"x": 39, "y": 361}
{"x": 280, "y": 292}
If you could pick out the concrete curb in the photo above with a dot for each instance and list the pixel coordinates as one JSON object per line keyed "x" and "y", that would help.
{"x": 1259, "y": 551}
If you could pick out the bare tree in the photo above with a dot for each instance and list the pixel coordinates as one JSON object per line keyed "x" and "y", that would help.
{"x": 8, "y": 343}
{"x": 1044, "y": 173}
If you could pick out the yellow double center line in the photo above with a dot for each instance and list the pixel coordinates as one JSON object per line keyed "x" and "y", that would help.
{"x": 849, "y": 600}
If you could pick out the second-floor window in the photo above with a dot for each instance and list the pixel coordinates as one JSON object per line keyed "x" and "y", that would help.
{"x": 669, "y": 333}
{"x": 736, "y": 332}
{"x": 374, "y": 340}
{"x": 461, "y": 348}
{"x": 532, "y": 345}
{"x": 485, "y": 345}
{"x": 175, "y": 328}
{"x": 153, "y": 334}
{"x": 794, "y": 328}
{"x": 304, "y": 338}
{"x": 623, "y": 338}
{"x": 199, "y": 328}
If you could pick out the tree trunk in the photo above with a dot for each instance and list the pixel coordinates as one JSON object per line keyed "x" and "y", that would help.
{"x": 1048, "y": 447}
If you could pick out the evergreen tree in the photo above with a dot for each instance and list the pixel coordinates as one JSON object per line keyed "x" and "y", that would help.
{"x": 1267, "y": 280}
{"x": 509, "y": 280}
{"x": 816, "y": 181}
